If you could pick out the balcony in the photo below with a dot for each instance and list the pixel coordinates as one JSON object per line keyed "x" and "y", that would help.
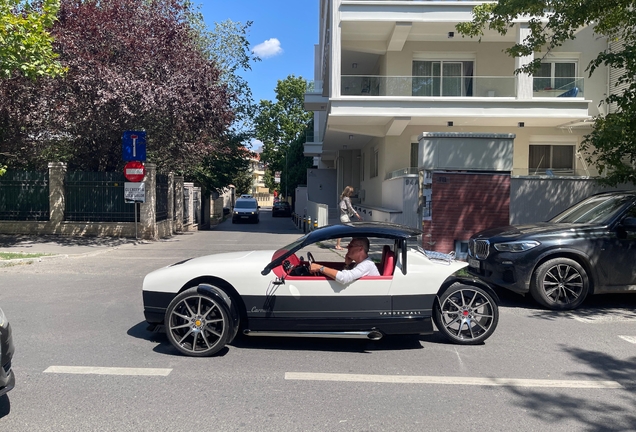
{"x": 455, "y": 86}
{"x": 313, "y": 144}
{"x": 314, "y": 99}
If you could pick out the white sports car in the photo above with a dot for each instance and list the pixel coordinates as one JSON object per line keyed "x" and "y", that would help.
{"x": 203, "y": 302}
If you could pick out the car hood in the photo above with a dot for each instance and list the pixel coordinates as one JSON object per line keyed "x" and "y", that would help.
{"x": 232, "y": 266}
{"x": 541, "y": 229}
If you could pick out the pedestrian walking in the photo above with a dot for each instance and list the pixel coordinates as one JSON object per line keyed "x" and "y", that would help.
{"x": 346, "y": 209}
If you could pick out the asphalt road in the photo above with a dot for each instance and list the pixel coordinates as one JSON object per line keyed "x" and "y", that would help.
{"x": 69, "y": 314}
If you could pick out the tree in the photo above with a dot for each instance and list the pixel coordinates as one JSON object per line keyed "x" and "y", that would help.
{"x": 152, "y": 76}
{"x": 26, "y": 46}
{"x": 611, "y": 146}
{"x": 281, "y": 126}
{"x": 228, "y": 164}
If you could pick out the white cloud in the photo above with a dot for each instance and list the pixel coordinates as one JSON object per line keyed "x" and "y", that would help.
{"x": 256, "y": 145}
{"x": 269, "y": 48}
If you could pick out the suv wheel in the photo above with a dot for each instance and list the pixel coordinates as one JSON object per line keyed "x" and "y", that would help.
{"x": 560, "y": 284}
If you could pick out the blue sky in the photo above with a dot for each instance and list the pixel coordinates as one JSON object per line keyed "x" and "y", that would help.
{"x": 283, "y": 33}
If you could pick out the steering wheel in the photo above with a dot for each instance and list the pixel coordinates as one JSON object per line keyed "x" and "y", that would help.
{"x": 310, "y": 258}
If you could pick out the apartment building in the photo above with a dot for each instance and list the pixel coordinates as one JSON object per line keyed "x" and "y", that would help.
{"x": 431, "y": 127}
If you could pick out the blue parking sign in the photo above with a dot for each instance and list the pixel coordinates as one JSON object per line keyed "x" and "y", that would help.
{"x": 134, "y": 146}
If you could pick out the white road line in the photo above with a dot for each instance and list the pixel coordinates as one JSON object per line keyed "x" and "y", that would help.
{"x": 91, "y": 370}
{"x": 501, "y": 382}
{"x": 630, "y": 339}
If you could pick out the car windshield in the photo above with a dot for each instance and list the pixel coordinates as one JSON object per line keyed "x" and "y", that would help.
{"x": 598, "y": 209}
{"x": 245, "y": 204}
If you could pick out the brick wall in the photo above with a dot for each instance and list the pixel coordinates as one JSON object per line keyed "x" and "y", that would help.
{"x": 463, "y": 204}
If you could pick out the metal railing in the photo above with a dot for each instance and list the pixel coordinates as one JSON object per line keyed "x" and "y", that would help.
{"x": 24, "y": 195}
{"x": 96, "y": 197}
{"x": 162, "y": 197}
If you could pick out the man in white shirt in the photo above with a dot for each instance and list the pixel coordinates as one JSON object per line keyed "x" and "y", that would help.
{"x": 358, "y": 253}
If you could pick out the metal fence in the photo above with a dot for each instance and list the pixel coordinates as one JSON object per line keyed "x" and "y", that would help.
{"x": 97, "y": 197}
{"x": 24, "y": 195}
{"x": 186, "y": 206}
{"x": 197, "y": 206}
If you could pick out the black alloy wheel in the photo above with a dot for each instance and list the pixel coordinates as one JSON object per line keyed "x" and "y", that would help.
{"x": 560, "y": 284}
{"x": 196, "y": 324}
{"x": 466, "y": 315}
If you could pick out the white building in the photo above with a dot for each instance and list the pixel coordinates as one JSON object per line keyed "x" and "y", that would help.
{"x": 399, "y": 95}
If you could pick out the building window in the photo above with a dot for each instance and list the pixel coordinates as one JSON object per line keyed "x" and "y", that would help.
{"x": 442, "y": 78}
{"x": 551, "y": 159}
{"x": 375, "y": 159}
{"x": 555, "y": 75}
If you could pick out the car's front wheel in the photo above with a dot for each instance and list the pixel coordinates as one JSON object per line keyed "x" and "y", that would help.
{"x": 560, "y": 284}
{"x": 465, "y": 314}
{"x": 196, "y": 324}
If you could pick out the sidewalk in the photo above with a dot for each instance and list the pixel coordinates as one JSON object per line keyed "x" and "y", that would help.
{"x": 56, "y": 246}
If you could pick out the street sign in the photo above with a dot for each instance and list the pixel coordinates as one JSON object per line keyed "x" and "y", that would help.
{"x": 134, "y": 146}
{"x": 134, "y": 171}
{"x": 277, "y": 177}
{"x": 134, "y": 192}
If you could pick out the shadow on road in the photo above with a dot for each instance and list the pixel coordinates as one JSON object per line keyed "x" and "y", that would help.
{"x": 589, "y": 412}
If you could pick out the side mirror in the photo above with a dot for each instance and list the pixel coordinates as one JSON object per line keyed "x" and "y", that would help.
{"x": 258, "y": 207}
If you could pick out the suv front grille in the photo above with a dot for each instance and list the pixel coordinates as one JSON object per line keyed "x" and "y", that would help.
{"x": 479, "y": 248}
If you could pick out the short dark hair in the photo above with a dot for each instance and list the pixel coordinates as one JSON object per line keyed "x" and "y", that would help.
{"x": 364, "y": 241}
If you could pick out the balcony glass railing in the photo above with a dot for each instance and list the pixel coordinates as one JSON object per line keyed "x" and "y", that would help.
{"x": 313, "y": 137}
{"x": 429, "y": 86}
{"x": 314, "y": 87}
{"x": 558, "y": 87}
{"x": 401, "y": 173}
{"x": 551, "y": 172}
{"x": 459, "y": 86}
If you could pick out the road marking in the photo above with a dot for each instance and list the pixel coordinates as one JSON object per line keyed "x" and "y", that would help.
{"x": 500, "y": 382}
{"x": 91, "y": 370}
{"x": 630, "y": 339}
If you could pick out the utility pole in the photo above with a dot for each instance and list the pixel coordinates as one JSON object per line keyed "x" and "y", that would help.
{"x": 286, "y": 176}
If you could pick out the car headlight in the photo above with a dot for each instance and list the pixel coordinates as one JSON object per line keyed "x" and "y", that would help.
{"x": 3, "y": 319}
{"x": 253, "y": 212}
{"x": 235, "y": 212}
{"x": 516, "y": 246}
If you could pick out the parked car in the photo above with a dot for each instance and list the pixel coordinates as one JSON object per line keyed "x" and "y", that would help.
{"x": 590, "y": 248}
{"x": 202, "y": 302}
{"x": 7, "y": 377}
{"x": 246, "y": 209}
{"x": 281, "y": 208}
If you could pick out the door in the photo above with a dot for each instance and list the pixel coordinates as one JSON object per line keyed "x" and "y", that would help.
{"x": 617, "y": 257}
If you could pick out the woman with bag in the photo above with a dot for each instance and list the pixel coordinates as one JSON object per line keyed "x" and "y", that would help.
{"x": 346, "y": 209}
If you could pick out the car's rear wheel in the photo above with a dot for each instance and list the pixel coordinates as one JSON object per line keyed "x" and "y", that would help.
{"x": 560, "y": 284}
{"x": 466, "y": 315}
{"x": 196, "y": 324}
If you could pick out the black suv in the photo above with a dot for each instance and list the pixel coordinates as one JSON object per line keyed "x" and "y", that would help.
{"x": 589, "y": 248}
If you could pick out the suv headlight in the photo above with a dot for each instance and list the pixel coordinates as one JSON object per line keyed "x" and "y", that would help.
{"x": 516, "y": 246}
{"x": 3, "y": 319}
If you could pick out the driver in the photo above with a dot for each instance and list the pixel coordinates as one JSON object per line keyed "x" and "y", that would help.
{"x": 357, "y": 263}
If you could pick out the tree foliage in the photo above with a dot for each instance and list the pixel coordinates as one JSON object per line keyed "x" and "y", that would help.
{"x": 611, "y": 146}
{"x": 281, "y": 127}
{"x": 131, "y": 66}
{"x": 26, "y": 46}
